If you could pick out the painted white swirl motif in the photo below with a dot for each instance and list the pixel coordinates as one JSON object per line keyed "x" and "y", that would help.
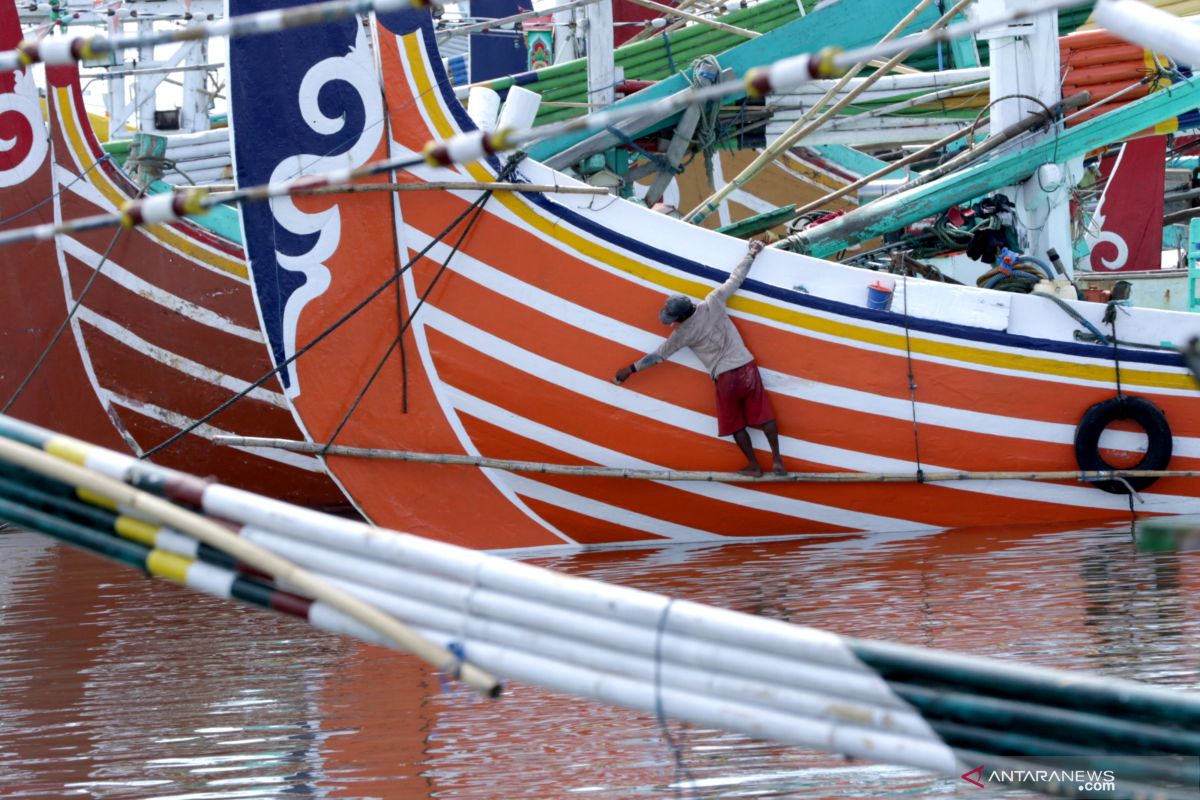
{"x": 357, "y": 69}
{"x": 1109, "y": 237}
{"x": 23, "y": 142}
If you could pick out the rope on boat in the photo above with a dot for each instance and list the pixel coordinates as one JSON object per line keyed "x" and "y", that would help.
{"x": 633, "y": 473}
{"x": 1094, "y": 334}
{"x": 775, "y": 681}
{"x": 64, "y": 462}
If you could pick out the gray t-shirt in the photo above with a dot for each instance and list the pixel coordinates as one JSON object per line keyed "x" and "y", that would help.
{"x": 709, "y": 331}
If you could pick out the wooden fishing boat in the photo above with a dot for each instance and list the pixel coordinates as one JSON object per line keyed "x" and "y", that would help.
{"x": 33, "y": 304}
{"x": 517, "y": 309}
{"x": 165, "y": 328}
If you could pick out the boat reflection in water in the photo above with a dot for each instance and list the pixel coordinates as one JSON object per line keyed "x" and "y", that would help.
{"x": 115, "y": 686}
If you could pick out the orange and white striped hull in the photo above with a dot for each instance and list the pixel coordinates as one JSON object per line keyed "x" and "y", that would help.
{"x": 517, "y": 329}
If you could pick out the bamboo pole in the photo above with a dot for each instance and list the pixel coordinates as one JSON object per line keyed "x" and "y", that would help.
{"x": 511, "y": 465}
{"x": 199, "y": 568}
{"x": 215, "y": 535}
{"x": 958, "y": 161}
{"x": 709, "y": 205}
{"x": 675, "y": 12}
{"x": 1087, "y": 693}
{"x": 930, "y": 97}
{"x": 626, "y": 648}
{"x": 650, "y": 30}
{"x": 912, "y": 157}
{"x": 1000, "y": 712}
{"x": 902, "y": 69}
{"x": 749, "y": 674}
{"x": 489, "y": 186}
{"x": 192, "y": 201}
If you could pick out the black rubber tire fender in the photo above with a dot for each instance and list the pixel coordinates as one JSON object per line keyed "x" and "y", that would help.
{"x": 1097, "y": 418}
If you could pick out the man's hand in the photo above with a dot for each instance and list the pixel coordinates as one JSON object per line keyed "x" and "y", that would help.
{"x": 756, "y": 247}
{"x": 623, "y": 374}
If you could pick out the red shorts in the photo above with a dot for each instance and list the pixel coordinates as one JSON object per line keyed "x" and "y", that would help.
{"x": 741, "y": 401}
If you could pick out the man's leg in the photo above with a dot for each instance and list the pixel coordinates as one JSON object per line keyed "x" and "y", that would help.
{"x": 772, "y": 433}
{"x": 742, "y": 438}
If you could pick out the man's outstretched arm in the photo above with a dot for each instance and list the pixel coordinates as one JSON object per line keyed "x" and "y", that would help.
{"x": 725, "y": 291}
{"x": 664, "y": 351}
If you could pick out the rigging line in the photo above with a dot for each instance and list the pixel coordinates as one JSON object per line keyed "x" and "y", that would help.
{"x": 398, "y": 340}
{"x": 57, "y": 192}
{"x": 912, "y": 384}
{"x": 41, "y": 359}
{"x": 478, "y": 204}
{"x": 1116, "y": 352}
{"x": 397, "y": 252}
{"x": 1050, "y": 120}
{"x": 660, "y": 716}
{"x": 311, "y": 344}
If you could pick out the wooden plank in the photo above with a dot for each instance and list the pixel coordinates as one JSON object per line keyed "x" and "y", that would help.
{"x": 675, "y": 151}
{"x": 751, "y": 226}
{"x": 679, "y": 145}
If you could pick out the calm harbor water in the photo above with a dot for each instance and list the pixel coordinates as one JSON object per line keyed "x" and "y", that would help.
{"x": 116, "y": 686}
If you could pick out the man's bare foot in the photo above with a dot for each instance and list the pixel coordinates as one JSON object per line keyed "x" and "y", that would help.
{"x": 753, "y": 470}
{"x": 778, "y": 468}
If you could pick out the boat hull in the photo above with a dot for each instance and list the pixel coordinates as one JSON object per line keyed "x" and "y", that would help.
{"x": 516, "y": 316}
{"x": 165, "y": 325}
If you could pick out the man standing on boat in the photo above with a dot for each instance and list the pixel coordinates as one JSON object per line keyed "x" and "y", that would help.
{"x": 706, "y": 328}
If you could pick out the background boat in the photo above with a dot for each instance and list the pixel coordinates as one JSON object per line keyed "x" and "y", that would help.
{"x": 33, "y": 304}
{"x": 162, "y": 324}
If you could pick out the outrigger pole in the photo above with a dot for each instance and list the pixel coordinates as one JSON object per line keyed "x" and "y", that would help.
{"x": 634, "y": 473}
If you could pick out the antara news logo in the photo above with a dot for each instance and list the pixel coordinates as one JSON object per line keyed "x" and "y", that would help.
{"x": 1084, "y": 780}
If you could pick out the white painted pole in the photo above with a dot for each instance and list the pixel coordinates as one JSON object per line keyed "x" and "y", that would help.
{"x": 602, "y": 74}
{"x": 753, "y": 719}
{"x": 818, "y": 694}
{"x": 194, "y": 108}
{"x": 144, "y": 87}
{"x": 706, "y": 643}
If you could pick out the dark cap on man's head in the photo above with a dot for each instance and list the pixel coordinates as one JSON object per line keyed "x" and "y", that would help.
{"x": 676, "y": 308}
